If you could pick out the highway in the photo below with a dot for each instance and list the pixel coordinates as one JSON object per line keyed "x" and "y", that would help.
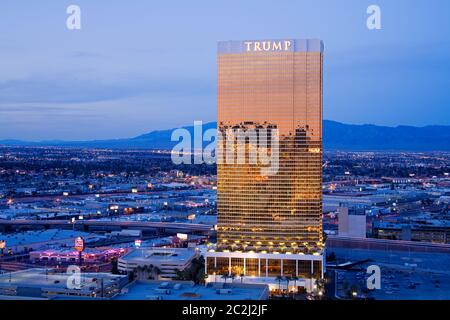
{"x": 83, "y": 224}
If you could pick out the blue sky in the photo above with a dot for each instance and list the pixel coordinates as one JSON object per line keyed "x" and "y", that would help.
{"x": 141, "y": 65}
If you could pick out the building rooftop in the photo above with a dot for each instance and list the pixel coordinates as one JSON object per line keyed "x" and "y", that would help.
{"x": 30, "y": 237}
{"x": 406, "y": 275}
{"x": 46, "y": 279}
{"x": 160, "y": 254}
{"x": 182, "y": 290}
{"x": 414, "y": 224}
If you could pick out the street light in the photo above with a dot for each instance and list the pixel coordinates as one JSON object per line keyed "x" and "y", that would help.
{"x": 137, "y": 244}
{"x": 2, "y": 245}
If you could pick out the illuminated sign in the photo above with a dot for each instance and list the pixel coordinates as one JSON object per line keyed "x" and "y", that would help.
{"x": 283, "y": 45}
{"x": 79, "y": 244}
{"x": 182, "y": 236}
{"x": 270, "y": 46}
{"x": 137, "y": 243}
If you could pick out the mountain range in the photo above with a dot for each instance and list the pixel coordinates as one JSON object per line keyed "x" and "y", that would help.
{"x": 337, "y": 136}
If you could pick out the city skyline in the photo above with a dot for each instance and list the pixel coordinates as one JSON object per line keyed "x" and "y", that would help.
{"x": 180, "y": 151}
{"x": 136, "y": 68}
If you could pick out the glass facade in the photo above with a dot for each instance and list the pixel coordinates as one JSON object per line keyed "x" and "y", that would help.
{"x": 273, "y": 85}
{"x": 317, "y": 270}
{"x": 251, "y": 267}
{"x": 237, "y": 266}
{"x": 263, "y": 267}
{"x": 210, "y": 265}
{"x": 222, "y": 266}
{"x": 289, "y": 268}
{"x": 273, "y": 267}
{"x": 267, "y": 267}
{"x": 304, "y": 269}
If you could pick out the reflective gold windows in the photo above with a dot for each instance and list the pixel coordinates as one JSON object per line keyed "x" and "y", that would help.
{"x": 279, "y": 90}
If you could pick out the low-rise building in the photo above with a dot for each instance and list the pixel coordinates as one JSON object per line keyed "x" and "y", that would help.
{"x": 43, "y": 283}
{"x": 186, "y": 290}
{"x": 64, "y": 256}
{"x": 166, "y": 260}
{"x": 434, "y": 231}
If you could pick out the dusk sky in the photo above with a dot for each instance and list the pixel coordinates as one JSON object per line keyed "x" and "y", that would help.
{"x": 137, "y": 66}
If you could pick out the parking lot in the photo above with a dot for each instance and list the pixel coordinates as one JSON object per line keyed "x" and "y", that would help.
{"x": 404, "y": 275}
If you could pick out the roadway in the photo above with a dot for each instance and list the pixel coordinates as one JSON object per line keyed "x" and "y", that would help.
{"x": 83, "y": 224}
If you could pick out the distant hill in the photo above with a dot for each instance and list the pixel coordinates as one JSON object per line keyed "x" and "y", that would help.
{"x": 337, "y": 136}
{"x": 370, "y": 137}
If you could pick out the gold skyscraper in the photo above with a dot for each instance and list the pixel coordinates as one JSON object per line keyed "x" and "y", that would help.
{"x": 270, "y": 224}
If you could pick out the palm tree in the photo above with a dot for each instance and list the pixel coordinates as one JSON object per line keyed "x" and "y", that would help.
{"x": 150, "y": 271}
{"x": 320, "y": 283}
{"x": 145, "y": 271}
{"x": 157, "y": 272}
{"x": 288, "y": 280}
{"x": 131, "y": 275}
{"x": 225, "y": 277}
{"x": 279, "y": 279}
{"x": 295, "y": 279}
{"x": 138, "y": 271}
{"x": 114, "y": 267}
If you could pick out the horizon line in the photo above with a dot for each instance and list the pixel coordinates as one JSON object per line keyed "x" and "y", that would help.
{"x": 203, "y": 123}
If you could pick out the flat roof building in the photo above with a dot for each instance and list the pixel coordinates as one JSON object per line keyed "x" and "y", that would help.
{"x": 430, "y": 230}
{"x": 43, "y": 283}
{"x": 185, "y": 290}
{"x": 166, "y": 260}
